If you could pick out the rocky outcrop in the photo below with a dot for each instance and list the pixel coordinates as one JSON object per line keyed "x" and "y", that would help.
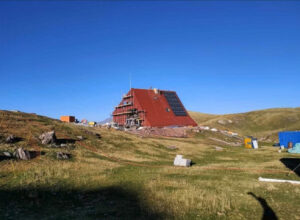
{"x": 48, "y": 138}
{"x": 63, "y": 156}
{"x": 22, "y": 154}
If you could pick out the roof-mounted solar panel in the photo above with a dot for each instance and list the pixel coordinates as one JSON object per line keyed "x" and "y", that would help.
{"x": 175, "y": 104}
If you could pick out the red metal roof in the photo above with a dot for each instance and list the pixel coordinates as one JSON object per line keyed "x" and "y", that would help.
{"x": 155, "y": 107}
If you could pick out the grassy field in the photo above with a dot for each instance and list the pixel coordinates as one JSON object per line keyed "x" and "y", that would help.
{"x": 122, "y": 176}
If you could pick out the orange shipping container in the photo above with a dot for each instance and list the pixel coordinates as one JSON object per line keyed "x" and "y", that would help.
{"x": 67, "y": 118}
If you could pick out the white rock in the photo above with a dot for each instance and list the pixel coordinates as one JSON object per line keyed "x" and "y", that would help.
{"x": 180, "y": 161}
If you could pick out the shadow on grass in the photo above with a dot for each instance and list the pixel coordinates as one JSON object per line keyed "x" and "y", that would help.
{"x": 5, "y": 158}
{"x": 16, "y": 140}
{"x": 292, "y": 163}
{"x": 65, "y": 141}
{"x": 13, "y": 141}
{"x": 268, "y": 214}
{"x": 34, "y": 154}
{"x": 105, "y": 203}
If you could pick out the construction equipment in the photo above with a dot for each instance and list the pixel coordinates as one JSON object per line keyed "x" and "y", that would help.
{"x": 251, "y": 142}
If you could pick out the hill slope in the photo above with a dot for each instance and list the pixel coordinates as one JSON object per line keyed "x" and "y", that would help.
{"x": 264, "y": 124}
{"x": 123, "y": 176}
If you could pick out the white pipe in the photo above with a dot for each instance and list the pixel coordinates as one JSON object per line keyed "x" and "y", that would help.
{"x": 278, "y": 180}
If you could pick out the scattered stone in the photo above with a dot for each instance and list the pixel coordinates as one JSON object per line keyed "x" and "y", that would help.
{"x": 10, "y": 139}
{"x": 48, "y": 137}
{"x": 179, "y": 132}
{"x": 7, "y": 154}
{"x": 197, "y": 130}
{"x": 54, "y": 146}
{"x": 63, "y": 145}
{"x": 172, "y": 147}
{"x": 22, "y": 154}
{"x": 219, "y": 148}
{"x": 63, "y": 156}
{"x": 79, "y": 138}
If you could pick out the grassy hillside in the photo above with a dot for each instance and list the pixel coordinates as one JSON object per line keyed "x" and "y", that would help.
{"x": 122, "y": 176}
{"x": 264, "y": 124}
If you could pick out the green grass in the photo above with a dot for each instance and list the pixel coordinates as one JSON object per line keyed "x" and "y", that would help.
{"x": 122, "y": 176}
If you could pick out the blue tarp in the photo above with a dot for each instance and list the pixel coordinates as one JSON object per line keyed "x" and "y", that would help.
{"x": 289, "y": 136}
{"x": 295, "y": 149}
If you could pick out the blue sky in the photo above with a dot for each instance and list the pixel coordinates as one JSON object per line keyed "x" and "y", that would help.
{"x": 75, "y": 57}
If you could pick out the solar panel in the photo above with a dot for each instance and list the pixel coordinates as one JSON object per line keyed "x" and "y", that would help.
{"x": 175, "y": 104}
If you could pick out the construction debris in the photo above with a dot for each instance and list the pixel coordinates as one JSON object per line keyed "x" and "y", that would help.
{"x": 180, "y": 161}
{"x": 22, "y": 154}
{"x": 179, "y": 132}
{"x": 278, "y": 180}
{"x": 63, "y": 156}
{"x": 251, "y": 142}
{"x": 67, "y": 118}
{"x": 48, "y": 138}
{"x": 295, "y": 149}
{"x": 92, "y": 123}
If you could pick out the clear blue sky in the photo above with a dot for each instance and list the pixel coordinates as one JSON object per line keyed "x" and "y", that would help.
{"x": 75, "y": 58}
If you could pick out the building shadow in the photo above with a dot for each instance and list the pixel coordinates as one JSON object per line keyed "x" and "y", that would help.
{"x": 268, "y": 214}
{"x": 292, "y": 163}
{"x": 104, "y": 203}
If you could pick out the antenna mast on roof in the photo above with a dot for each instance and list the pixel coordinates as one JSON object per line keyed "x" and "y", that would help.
{"x": 130, "y": 81}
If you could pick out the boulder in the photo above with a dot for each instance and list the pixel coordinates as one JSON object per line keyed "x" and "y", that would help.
{"x": 79, "y": 138}
{"x": 48, "y": 137}
{"x": 22, "y": 154}
{"x": 63, "y": 156}
{"x": 180, "y": 161}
